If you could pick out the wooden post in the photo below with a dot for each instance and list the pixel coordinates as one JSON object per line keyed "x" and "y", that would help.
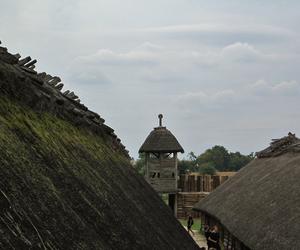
{"x": 175, "y": 205}
{"x": 160, "y": 116}
{"x": 147, "y": 166}
{"x": 176, "y": 170}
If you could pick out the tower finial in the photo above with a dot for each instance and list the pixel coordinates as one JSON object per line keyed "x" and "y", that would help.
{"x": 160, "y": 116}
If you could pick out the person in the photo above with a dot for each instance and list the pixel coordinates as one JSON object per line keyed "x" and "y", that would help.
{"x": 206, "y": 234}
{"x": 190, "y": 223}
{"x": 214, "y": 238}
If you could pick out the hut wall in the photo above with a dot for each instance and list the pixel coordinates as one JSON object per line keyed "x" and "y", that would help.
{"x": 182, "y": 182}
{"x": 229, "y": 241}
{"x": 186, "y": 201}
{"x": 202, "y": 183}
{"x": 193, "y": 187}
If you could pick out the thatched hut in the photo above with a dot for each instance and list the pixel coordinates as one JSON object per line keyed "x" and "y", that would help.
{"x": 259, "y": 207}
{"x": 65, "y": 178}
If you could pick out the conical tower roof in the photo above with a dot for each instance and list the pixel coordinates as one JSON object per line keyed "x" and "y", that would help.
{"x": 161, "y": 140}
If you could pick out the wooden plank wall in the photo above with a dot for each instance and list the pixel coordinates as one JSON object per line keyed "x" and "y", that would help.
{"x": 185, "y": 203}
{"x": 193, "y": 188}
{"x": 200, "y": 183}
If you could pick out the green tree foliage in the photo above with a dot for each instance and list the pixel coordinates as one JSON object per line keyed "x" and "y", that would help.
{"x": 218, "y": 156}
{"x": 237, "y": 160}
{"x": 185, "y": 166}
{"x": 214, "y": 159}
{"x": 207, "y": 168}
{"x": 139, "y": 164}
{"x": 190, "y": 164}
{"x": 191, "y": 156}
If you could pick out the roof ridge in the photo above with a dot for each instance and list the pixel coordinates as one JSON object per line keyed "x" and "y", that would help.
{"x": 289, "y": 143}
{"x": 52, "y": 85}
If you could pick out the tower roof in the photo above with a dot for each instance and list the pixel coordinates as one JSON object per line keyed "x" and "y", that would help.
{"x": 161, "y": 140}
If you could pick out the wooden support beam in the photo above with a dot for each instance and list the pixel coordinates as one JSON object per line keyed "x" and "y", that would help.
{"x": 72, "y": 96}
{"x": 47, "y": 78}
{"x": 30, "y": 63}
{"x": 66, "y": 92}
{"x": 31, "y": 71}
{"x": 42, "y": 75}
{"x": 55, "y": 80}
{"x": 25, "y": 60}
{"x": 18, "y": 56}
{"x": 59, "y": 86}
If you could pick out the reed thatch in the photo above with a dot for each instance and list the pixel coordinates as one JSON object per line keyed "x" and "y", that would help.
{"x": 161, "y": 140}
{"x": 289, "y": 143}
{"x": 260, "y": 205}
{"x": 66, "y": 181}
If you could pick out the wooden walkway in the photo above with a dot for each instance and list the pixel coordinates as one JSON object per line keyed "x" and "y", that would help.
{"x": 198, "y": 238}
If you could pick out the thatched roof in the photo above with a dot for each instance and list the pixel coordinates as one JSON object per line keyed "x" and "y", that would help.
{"x": 65, "y": 179}
{"x": 161, "y": 140}
{"x": 260, "y": 205}
{"x": 289, "y": 143}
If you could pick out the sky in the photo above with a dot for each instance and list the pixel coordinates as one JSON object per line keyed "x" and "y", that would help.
{"x": 222, "y": 72}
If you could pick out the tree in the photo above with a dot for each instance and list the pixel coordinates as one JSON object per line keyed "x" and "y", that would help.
{"x": 189, "y": 164}
{"x": 214, "y": 159}
{"x": 207, "y": 168}
{"x": 217, "y": 155}
{"x": 237, "y": 160}
{"x": 191, "y": 156}
{"x": 139, "y": 164}
{"x": 185, "y": 166}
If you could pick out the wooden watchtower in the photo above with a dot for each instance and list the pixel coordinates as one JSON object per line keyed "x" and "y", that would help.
{"x": 161, "y": 148}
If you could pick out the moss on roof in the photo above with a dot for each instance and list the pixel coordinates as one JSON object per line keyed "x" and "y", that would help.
{"x": 65, "y": 183}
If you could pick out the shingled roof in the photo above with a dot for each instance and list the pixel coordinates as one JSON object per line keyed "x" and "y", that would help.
{"x": 260, "y": 205}
{"x": 161, "y": 140}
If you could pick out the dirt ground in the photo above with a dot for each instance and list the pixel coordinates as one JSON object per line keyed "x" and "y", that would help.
{"x": 198, "y": 238}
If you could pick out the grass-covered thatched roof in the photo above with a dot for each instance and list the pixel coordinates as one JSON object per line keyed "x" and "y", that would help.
{"x": 65, "y": 178}
{"x": 260, "y": 205}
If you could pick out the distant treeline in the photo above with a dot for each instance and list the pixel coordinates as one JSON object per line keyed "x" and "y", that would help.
{"x": 217, "y": 158}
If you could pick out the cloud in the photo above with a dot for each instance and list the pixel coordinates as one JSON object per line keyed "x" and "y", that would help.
{"x": 241, "y": 52}
{"x": 259, "y": 91}
{"x": 90, "y": 77}
{"x": 168, "y": 60}
{"x": 193, "y": 60}
{"x": 229, "y": 32}
{"x": 284, "y": 88}
{"x": 206, "y": 97}
{"x": 287, "y": 88}
{"x": 153, "y": 63}
{"x": 147, "y": 46}
{"x": 201, "y": 99}
{"x": 144, "y": 55}
{"x": 223, "y": 28}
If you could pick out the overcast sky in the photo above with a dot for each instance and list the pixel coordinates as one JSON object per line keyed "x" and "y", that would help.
{"x": 221, "y": 71}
